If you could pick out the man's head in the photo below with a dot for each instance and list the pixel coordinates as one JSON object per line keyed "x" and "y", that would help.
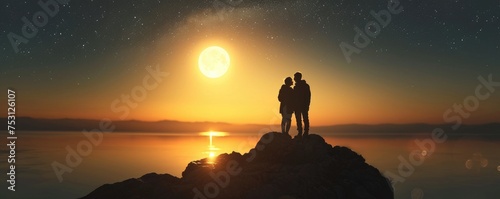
{"x": 297, "y": 76}
{"x": 288, "y": 81}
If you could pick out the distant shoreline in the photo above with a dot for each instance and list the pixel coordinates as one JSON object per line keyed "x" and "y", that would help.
{"x": 169, "y": 126}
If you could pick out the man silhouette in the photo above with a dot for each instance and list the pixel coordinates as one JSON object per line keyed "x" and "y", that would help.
{"x": 302, "y": 100}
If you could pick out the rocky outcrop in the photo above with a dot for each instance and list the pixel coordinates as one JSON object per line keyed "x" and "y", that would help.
{"x": 278, "y": 167}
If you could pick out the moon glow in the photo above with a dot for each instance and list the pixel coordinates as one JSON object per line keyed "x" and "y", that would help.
{"x": 214, "y": 62}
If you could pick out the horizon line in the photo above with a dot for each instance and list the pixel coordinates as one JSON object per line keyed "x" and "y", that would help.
{"x": 229, "y": 123}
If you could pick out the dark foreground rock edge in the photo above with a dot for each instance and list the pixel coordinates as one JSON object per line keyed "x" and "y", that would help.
{"x": 278, "y": 167}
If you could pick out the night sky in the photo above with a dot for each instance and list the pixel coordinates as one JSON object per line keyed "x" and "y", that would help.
{"x": 428, "y": 57}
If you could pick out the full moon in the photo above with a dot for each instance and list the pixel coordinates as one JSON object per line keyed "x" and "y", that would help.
{"x": 213, "y": 62}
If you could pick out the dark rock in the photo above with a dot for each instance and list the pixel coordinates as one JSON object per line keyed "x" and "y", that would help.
{"x": 151, "y": 185}
{"x": 279, "y": 167}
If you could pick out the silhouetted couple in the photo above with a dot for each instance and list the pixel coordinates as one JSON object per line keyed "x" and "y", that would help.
{"x": 295, "y": 100}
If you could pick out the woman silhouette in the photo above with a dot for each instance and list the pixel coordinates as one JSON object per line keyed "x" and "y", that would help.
{"x": 285, "y": 96}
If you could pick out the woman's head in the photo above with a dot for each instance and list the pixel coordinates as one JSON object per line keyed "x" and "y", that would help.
{"x": 288, "y": 81}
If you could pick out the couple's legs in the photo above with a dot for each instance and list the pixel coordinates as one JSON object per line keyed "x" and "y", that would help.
{"x": 286, "y": 121}
{"x": 285, "y": 124}
{"x": 298, "y": 117}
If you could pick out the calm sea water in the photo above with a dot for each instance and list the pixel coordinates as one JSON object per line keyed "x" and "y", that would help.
{"x": 465, "y": 167}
